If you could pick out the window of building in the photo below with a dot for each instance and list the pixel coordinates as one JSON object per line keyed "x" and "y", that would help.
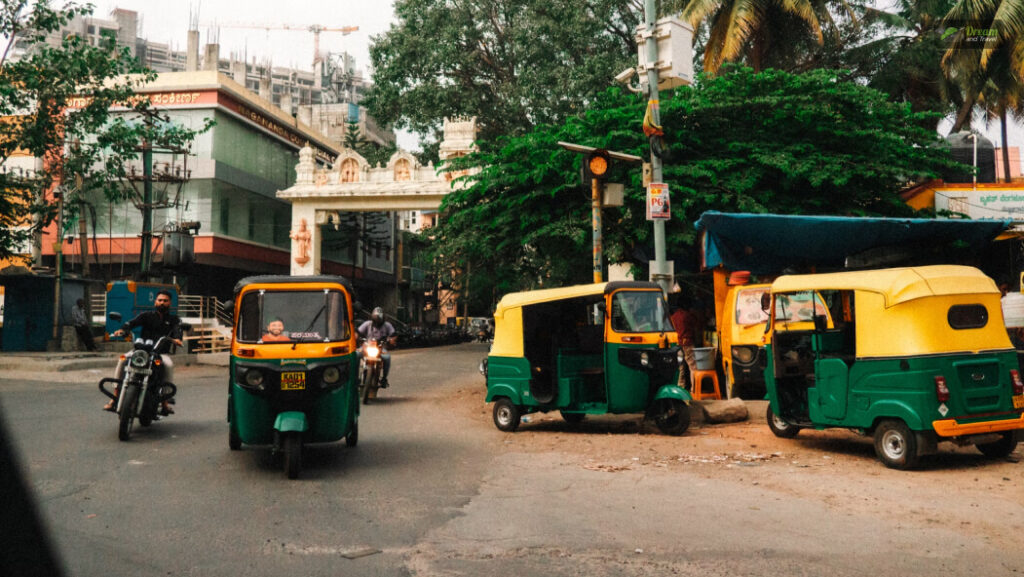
{"x": 225, "y": 218}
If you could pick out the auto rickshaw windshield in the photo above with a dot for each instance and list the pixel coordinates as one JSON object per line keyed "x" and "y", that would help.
{"x": 639, "y": 312}
{"x": 293, "y": 316}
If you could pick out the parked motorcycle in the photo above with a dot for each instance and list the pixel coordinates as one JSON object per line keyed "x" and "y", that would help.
{"x": 371, "y": 369}
{"x": 141, "y": 391}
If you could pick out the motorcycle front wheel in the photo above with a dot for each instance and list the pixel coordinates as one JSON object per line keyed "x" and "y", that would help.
{"x": 369, "y": 386}
{"x": 128, "y": 405}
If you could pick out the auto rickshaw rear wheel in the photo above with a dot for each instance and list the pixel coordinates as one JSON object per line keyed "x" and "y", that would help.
{"x": 573, "y": 418}
{"x": 1001, "y": 448}
{"x": 896, "y": 445}
{"x": 672, "y": 417}
{"x": 506, "y": 415}
{"x": 353, "y": 436}
{"x": 780, "y": 428}
{"x": 292, "y": 446}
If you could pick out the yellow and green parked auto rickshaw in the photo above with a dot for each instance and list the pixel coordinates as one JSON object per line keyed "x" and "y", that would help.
{"x": 588, "y": 349}
{"x": 293, "y": 365}
{"x": 913, "y": 356}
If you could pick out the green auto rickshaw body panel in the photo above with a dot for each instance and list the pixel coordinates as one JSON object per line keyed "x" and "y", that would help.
{"x": 329, "y": 412}
{"x": 866, "y": 391}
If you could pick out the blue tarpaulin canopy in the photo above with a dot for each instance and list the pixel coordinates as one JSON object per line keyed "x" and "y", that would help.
{"x": 771, "y": 243}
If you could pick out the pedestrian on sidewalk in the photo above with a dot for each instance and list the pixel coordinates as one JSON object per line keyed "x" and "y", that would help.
{"x": 82, "y": 325}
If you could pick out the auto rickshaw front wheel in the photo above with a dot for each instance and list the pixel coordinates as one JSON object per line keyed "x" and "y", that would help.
{"x": 672, "y": 416}
{"x": 780, "y": 428}
{"x": 1001, "y": 448}
{"x": 234, "y": 441}
{"x": 896, "y": 445}
{"x": 291, "y": 445}
{"x": 506, "y": 415}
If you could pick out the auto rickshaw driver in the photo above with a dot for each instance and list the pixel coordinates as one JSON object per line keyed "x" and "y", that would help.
{"x": 275, "y": 332}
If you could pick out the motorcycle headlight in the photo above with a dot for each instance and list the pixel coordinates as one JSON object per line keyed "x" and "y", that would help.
{"x": 254, "y": 378}
{"x": 331, "y": 375}
{"x": 743, "y": 355}
{"x": 645, "y": 359}
{"x": 139, "y": 360}
{"x": 372, "y": 351}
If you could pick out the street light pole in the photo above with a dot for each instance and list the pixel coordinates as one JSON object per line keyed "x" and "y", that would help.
{"x": 659, "y": 273}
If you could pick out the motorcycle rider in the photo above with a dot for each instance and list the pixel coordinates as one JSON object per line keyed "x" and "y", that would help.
{"x": 380, "y": 330}
{"x": 157, "y": 323}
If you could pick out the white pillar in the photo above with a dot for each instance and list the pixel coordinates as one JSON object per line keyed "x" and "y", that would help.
{"x": 305, "y": 234}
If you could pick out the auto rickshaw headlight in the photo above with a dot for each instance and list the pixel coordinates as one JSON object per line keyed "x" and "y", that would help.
{"x": 743, "y": 354}
{"x": 254, "y": 378}
{"x": 331, "y": 375}
{"x": 645, "y": 359}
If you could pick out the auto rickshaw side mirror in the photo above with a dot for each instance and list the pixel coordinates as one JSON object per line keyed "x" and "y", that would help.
{"x": 115, "y": 316}
{"x": 766, "y": 301}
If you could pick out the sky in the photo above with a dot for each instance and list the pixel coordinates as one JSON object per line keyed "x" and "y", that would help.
{"x": 168, "y": 21}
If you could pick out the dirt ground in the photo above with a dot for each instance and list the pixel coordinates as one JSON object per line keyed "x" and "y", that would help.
{"x": 837, "y": 467}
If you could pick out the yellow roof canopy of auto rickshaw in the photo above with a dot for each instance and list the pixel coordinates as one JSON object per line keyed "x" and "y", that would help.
{"x": 508, "y": 315}
{"x": 896, "y": 285}
{"x": 904, "y": 311}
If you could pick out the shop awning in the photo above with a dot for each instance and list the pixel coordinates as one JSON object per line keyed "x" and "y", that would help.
{"x": 772, "y": 243}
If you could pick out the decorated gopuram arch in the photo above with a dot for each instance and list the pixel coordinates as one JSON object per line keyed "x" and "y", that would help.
{"x": 352, "y": 185}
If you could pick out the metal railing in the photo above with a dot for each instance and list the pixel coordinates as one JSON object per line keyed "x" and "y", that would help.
{"x": 202, "y": 311}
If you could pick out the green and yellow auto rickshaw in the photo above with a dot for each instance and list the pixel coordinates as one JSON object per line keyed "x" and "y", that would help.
{"x": 293, "y": 365}
{"x": 912, "y": 356}
{"x": 588, "y": 349}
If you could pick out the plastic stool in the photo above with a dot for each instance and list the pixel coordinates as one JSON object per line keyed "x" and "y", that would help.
{"x": 698, "y": 378}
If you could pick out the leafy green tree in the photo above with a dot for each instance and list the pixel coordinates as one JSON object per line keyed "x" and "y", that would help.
{"x": 56, "y": 105}
{"x": 768, "y": 142}
{"x": 514, "y": 64}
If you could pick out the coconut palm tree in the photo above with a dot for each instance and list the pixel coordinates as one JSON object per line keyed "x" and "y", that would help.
{"x": 753, "y": 28}
{"x": 991, "y": 69}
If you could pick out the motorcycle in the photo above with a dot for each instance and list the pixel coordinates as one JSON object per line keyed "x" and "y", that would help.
{"x": 371, "y": 369}
{"x": 141, "y": 391}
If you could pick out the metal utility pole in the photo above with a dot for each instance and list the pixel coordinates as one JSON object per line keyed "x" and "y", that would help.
{"x": 145, "y": 254}
{"x": 659, "y": 273}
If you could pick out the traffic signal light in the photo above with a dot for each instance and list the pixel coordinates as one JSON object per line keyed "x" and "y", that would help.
{"x": 596, "y": 164}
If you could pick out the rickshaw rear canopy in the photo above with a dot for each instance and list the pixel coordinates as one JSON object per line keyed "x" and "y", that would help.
{"x": 896, "y": 285}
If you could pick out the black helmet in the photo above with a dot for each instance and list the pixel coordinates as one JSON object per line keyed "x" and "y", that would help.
{"x": 377, "y": 317}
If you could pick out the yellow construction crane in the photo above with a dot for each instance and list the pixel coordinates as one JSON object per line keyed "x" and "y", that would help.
{"x": 316, "y": 29}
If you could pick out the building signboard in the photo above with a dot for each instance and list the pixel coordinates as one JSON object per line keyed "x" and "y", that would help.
{"x": 1001, "y": 203}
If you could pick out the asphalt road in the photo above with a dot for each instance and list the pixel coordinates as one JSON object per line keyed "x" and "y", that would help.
{"x": 434, "y": 489}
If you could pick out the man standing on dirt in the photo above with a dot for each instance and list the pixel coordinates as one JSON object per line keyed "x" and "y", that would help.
{"x": 685, "y": 324}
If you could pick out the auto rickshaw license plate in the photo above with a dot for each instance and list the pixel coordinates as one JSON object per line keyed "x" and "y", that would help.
{"x": 293, "y": 381}
{"x": 1018, "y": 402}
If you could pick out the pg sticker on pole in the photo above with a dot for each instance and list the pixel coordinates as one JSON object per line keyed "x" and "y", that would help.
{"x": 657, "y": 202}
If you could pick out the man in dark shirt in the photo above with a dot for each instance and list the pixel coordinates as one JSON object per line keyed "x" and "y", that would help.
{"x": 155, "y": 324}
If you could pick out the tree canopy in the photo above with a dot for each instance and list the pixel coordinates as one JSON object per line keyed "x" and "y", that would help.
{"x": 55, "y": 102}
{"x": 742, "y": 141}
{"x": 514, "y": 64}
